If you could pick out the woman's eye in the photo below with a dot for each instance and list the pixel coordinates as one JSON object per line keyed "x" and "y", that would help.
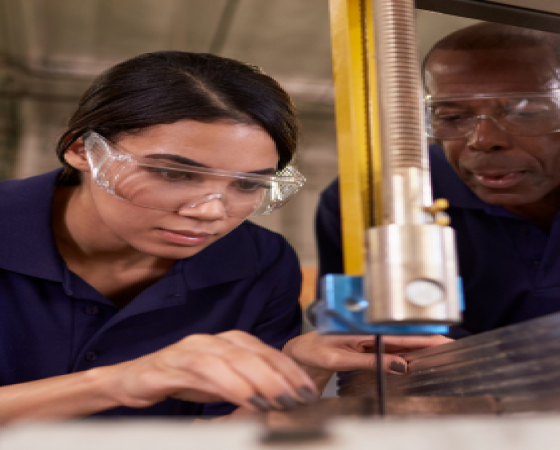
{"x": 250, "y": 186}
{"x": 176, "y": 176}
{"x": 171, "y": 175}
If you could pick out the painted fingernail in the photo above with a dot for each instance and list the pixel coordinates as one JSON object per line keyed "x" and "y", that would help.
{"x": 261, "y": 403}
{"x": 397, "y": 367}
{"x": 307, "y": 394}
{"x": 286, "y": 401}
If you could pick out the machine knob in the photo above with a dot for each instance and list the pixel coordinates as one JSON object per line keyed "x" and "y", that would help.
{"x": 440, "y": 204}
{"x": 423, "y": 292}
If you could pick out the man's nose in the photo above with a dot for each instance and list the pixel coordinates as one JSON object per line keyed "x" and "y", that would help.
{"x": 487, "y": 136}
{"x": 211, "y": 207}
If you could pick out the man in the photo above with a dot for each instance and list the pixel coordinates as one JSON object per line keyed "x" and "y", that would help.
{"x": 494, "y": 110}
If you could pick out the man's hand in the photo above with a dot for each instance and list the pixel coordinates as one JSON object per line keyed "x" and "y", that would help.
{"x": 321, "y": 356}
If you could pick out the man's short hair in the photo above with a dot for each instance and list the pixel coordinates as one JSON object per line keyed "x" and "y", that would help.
{"x": 494, "y": 36}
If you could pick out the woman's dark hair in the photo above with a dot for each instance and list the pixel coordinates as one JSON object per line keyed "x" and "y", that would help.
{"x": 168, "y": 86}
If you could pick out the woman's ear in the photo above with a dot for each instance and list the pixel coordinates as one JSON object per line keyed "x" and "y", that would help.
{"x": 75, "y": 155}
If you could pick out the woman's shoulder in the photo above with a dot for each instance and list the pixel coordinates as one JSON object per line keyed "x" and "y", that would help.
{"x": 248, "y": 252}
{"x": 28, "y": 189}
{"x": 269, "y": 244}
{"x": 262, "y": 235}
{"x": 26, "y": 241}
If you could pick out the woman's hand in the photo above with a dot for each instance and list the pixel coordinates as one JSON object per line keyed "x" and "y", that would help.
{"x": 321, "y": 356}
{"x": 232, "y": 366}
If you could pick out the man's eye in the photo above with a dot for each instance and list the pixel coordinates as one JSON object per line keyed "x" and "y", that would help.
{"x": 527, "y": 113}
{"x": 451, "y": 117}
{"x": 528, "y": 107}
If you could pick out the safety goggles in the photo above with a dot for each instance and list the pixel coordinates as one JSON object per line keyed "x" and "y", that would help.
{"x": 170, "y": 186}
{"x": 524, "y": 114}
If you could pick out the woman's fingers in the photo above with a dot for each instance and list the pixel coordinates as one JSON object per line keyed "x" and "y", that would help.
{"x": 237, "y": 367}
{"x": 403, "y": 344}
{"x": 233, "y": 366}
{"x": 335, "y": 353}
{"x": 221, "y": 380}
{"x": 394, "y": 364}
{"x": 341, "y": 360}
{"x": 269, "y": 388}
{"x": 297, "y": 379}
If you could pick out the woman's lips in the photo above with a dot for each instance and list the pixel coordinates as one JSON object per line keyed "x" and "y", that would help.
{"x": 188, "y": 238}
{"x": 499, "y": 180}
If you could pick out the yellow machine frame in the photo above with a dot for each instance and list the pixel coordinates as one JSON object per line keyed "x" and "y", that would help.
{"x": 357, "y": 122}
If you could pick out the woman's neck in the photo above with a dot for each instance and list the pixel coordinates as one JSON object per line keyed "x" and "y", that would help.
{"x": 81, "y": 234}
{"x": 92, "y": 251}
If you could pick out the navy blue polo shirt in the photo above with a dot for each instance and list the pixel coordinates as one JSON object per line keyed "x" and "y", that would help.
{"x": 53, "y": 323}
{"x": 510, "y": 267}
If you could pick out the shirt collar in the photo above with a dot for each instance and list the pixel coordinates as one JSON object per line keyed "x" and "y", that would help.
{"x": 27, "y": 243}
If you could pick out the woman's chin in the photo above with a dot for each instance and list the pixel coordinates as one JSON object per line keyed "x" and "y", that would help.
{"x": 170, "y": 251}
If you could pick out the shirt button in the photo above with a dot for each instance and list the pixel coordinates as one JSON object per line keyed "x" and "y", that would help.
{"x": 92, "y": 310}
{"x": 536, "y": 263}
{"x": 91, "y": 356}
{"x": 524, "y": 232}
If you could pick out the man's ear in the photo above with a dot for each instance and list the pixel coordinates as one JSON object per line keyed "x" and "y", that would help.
{"x": 75, "y": 155}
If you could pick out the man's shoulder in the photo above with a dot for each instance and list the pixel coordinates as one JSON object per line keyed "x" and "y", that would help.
{"x": 439, "y": 167}
{"x": 445, "y": 184}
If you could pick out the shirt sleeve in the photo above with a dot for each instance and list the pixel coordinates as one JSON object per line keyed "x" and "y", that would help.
{"x": 281, "y": 320}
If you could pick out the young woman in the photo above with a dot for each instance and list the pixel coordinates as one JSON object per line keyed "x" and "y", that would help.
{"x": 130, "y": 282}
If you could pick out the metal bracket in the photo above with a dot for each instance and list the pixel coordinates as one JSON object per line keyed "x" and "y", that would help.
{"x": 341, "y": 310}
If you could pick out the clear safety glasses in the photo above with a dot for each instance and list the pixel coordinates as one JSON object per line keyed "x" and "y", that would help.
{"x": 169, "y": 186}
{"x": 524, "y": 114}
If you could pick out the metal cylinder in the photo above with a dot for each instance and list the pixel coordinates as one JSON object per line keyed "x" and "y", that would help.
{"x": 411, "y": 275}
{"x": 406, "y": 182}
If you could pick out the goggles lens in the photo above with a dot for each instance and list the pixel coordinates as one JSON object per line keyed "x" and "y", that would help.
{"x": 169, "y": 186}
{"x": 529, "y": 114}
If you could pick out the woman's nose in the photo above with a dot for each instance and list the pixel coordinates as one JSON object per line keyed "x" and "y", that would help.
{"x": 210, "y": 207}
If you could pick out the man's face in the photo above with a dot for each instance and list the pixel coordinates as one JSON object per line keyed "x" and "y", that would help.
{"x": 501, "y": 168}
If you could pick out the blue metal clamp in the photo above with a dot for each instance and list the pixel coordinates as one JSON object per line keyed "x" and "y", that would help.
{"x": 341, "y": 310}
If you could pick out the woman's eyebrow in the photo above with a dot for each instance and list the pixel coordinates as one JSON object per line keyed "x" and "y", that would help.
{"x": 182, "y": 160}
{"x": 269, "y": 171}
{"x": 177, "y": 159}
